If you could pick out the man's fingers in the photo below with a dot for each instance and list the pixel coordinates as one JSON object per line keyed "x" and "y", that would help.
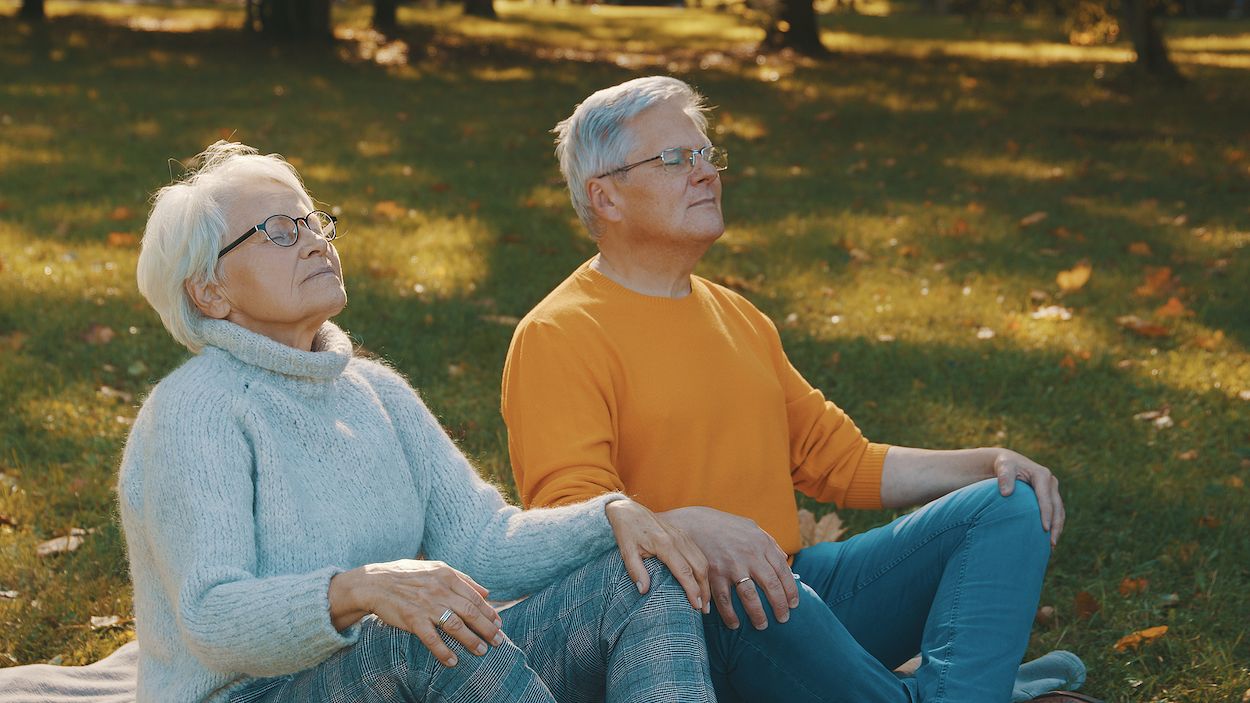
{"x": 777, "y": 558}
{"x": 776, "y": 594}
{"x": 751, "y": 604}
{"x": 1006, "y": 480}
{"x": 1061, "y": 515}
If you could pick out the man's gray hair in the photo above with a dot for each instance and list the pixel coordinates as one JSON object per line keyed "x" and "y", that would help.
{"x": 185, "y": 229}
{"x": 593, "y": 140}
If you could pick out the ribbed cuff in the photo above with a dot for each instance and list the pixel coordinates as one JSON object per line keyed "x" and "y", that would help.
{"x": 865, "y": 489}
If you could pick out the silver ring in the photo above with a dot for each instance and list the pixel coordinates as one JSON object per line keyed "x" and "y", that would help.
{"x": 442, "y": 619}
{"x": 741, "y": 581}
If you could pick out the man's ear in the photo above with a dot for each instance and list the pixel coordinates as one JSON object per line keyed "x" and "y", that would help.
{"x": 604, "y": 199}
{"x": 209, "y": 298}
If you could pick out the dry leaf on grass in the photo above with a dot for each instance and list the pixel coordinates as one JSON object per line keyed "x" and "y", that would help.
{"x": 1052, "y": 312}
{"x": 1142, "y": 328}
{"x": 121, "y": 212}
{"x": 1074, "y": 278}
{"x": 812, "y": 531}
{"x": 61, "y": 545}
{"x": 1139, "y": 249}
{"x": 1158, "y": 281}
{"x": 1086, "y": 605}
{"x": 8, "y": 595}
{"x": 102, "y": 622}
{"x": 1137, "y": 639}
{"x": 1032, "y": 219}
{"x": 389, "y": 209}
{"x": 122, "y": 239}
{"x": 98, "y": 334}
{"x": 1173, "y": 308}
{"x": 1131, "y": 586}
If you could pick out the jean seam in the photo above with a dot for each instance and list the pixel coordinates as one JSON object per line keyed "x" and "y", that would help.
{"x": 954, "y": 611}
{"x": 969, "y": 523}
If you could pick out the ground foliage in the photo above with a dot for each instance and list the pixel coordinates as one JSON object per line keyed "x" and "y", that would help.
{"x": 977, "y": 241}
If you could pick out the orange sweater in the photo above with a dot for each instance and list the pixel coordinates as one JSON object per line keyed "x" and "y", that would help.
{"x": 675, "y": 402}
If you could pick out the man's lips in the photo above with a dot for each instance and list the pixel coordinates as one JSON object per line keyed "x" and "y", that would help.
{"x": 705, "y": 201}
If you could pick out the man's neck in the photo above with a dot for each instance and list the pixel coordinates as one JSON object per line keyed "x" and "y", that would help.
{"x": 663, "y": 275}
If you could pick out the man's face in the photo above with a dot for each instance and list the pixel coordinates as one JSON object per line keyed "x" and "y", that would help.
{"x": 672, "y": 203}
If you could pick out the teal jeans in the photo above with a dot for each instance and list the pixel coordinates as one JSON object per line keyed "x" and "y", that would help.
{"x": 957, "y": 581}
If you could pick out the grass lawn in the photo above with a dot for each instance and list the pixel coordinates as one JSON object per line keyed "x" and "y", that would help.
{"x": 915, "y": 213}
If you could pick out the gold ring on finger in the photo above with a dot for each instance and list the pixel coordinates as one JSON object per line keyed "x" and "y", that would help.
{"x": 442, "y": 619}
{"x": 741, "y": 581}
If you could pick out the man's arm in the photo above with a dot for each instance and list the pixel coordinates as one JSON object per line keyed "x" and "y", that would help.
{"x": 912, "y": 476}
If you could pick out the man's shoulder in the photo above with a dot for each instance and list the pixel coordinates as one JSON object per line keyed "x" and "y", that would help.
{"x": 569, "y": 306}
{"x": 730, "y": 301}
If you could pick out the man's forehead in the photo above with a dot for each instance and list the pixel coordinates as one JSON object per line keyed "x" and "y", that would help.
{"x": 666, "y": 125}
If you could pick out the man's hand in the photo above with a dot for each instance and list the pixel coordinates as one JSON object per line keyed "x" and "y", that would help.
{"x": 1009, "y": 466}
{"x": 641, "y": 534}
{"x": 737, "y": 549}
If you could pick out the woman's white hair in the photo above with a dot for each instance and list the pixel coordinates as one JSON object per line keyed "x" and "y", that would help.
{"x": 185, "y": 228}
{"x": 594, "y": 140}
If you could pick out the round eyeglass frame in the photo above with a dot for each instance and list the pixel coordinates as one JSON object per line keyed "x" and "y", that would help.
{"x": 262, "y": 228}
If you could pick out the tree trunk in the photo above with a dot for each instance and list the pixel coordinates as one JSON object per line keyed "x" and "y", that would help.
{"x": 384, "y": 12}
{"x": 1152, "y": 53}
{"x": 794, "y": 27}
{"x": 480, "y": 8}
{"x": 295, "y": 19}
{"x": 32, "y": 10}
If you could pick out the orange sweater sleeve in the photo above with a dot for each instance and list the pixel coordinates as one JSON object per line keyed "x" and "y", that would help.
{"x": 558, "y": 409}
{"x": 830, "y": 458}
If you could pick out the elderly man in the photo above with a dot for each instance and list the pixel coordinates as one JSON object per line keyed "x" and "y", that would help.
{"x": 636, "y": 376}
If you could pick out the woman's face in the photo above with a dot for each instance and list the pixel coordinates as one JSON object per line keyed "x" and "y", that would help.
{"x": 284, "y": 293}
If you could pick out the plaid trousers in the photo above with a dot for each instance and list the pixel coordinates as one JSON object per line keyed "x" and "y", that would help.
{"x": 587, "y": 638}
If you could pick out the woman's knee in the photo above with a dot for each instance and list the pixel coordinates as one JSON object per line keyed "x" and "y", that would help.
{"x": 398, "y": 658}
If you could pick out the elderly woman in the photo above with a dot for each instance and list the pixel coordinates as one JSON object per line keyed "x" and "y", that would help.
{"x": 300, "y": 528}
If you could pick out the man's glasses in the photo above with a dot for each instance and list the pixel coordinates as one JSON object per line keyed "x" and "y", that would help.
{"x": 681, "y": 159}
{"x": 283, "y": 230}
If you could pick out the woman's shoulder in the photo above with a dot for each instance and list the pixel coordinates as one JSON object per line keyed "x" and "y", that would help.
{"x": 208, "y": 382}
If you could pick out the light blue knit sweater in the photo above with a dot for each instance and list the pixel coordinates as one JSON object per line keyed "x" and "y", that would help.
{"x": 255, "y": 472}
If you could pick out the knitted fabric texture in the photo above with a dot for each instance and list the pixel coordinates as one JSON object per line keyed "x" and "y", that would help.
{"x": 255, "y": 472}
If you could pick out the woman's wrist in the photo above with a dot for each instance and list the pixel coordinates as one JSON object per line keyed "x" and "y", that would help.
{"x": 346, "y": 604}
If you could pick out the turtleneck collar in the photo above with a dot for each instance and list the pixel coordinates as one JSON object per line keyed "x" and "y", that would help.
{"x": 332, "y": 349}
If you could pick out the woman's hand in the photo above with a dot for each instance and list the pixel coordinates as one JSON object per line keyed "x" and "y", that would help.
{"x": 640, "y": 534}
{"x": 412, "y": 595}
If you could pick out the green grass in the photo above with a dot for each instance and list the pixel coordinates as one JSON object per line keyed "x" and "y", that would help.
{"x": 885, "y": 187}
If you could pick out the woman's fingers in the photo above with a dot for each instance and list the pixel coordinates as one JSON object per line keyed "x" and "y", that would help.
{"x": 679, "y": 565}
{"x": 429, "y": 637}
{"x": 631, "y": 555}
{"x": 486, "y": 626}
{"x": 464, "y": 587}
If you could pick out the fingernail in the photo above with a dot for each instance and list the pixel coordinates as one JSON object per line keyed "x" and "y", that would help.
{"x": 452, "y": 661}
{"x": 699, "y": 603}
{"x": 498, "y": 622}
{"x": 762, "y": 626}
{"x": 784, "y": 618}
{"x": 794, "y": 602}
{"x": 498, "y": 639}
{"x": 481, "y": 649}
{"x": 638, "y": 583}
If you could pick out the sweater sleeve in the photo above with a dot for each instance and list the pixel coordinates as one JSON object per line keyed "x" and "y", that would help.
{"x": 561, "y": 433}
{"x": 186, "y": 502}
{"x": 470, "y": 526}
{"x": 830, "y": 458}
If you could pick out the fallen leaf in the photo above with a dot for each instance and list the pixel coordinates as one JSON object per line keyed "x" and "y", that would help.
{"x": 12, "y": 341}
{"x": 7, "y": 521}
{"x": 1158, "y": 281}
{"x": 807, "y": 527}
{"x": 1244, "y": 395}
{"x": 1137, "y": 639}
{"x": 1234, "y": 482}
{"x": 440, "y": 187}
{"x": 1173, "y": 308}
{"x": 122, "y": 239}
{"x": 1188, "y": 456}
{"x": 8, "y": 595}
{"x": 1075, "y": 278}
{"x": 98, "y": 334}
{"x": 101, "y": 622}
{"x": 121, "y": 212}
{"x": 60, "y": 545}
{"x": 1132, "y": 586}
{"x": 456, "y": 370}
{"x": 1086, "y": 605}
{"x": 828, "y": 529}
{"x": 1033, "y": 218}
{"x": 1139, "y": 249}
{"x": 1209, "y": 522}
{"x": 1052, "y": 312}
{"x": 1210, "y": 342}
{"x": 1141, "y": 328}
{"x": 1068, "y": 362}
{"x": 1169, "y": 600}
{"x": 389, "y": 209}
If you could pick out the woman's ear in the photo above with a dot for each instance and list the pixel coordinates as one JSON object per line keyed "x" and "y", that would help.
{"x": 603, "y": 200}
{"x": 209, "y": 298}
